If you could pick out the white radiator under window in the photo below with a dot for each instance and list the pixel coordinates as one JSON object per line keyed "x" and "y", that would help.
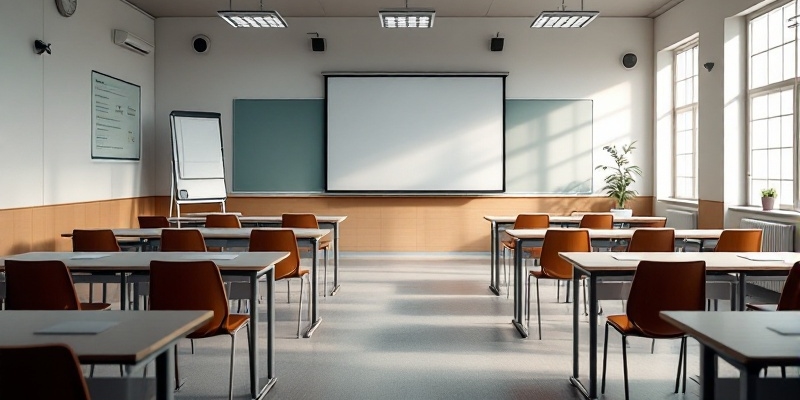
{"x": 776, "y": 237}
{"x": 680, "y": 219}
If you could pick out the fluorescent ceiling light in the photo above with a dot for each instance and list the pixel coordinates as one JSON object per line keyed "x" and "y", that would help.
{"x": 407, "y": 17}
{"x": 253, "y": 19}
{"x": 564, "y": 19}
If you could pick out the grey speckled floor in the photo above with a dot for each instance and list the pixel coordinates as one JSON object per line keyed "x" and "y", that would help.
{"x": 429, "y": 328}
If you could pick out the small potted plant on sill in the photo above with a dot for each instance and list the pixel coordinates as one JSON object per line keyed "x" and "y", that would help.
{"x": 620, "y": 179}
{"x": 768, "y": 198}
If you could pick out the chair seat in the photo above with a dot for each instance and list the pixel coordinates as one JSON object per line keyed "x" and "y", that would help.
{"x": 539, "y": 274}
{"x": 623, "y": 325}
{"x": 95, "y": 306}
{"x": 762, "y": 307}
{"x": 234, "y": 323}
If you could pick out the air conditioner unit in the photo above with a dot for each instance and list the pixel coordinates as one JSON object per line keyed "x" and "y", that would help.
{"x": 132, "y": 42}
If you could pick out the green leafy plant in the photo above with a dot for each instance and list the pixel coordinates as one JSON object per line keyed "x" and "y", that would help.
{"x": 622, "y": 174}
{"x": 769, "y": 192}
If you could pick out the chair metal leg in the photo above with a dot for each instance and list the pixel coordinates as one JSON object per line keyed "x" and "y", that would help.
{"x": 191, "y": 341}
{"x": 685, "y": 350}
{"x": 585, "y": 308}
{"x": 680, "y": 365}
{"x": 289, "y": 291}
{"x": 653, "y": 347}
{"x": 105, "y": 290}
{"x": 783, "y": 372}
{"x": 300, "y": 307}
{"x": 528, "y": 301}
{"x": 605, "y": 357}
{"x": 230, "y": 377}
{"x": 505, "y": 272}
{"x": 325, "y": 269}
{"x": 177, "y": 370}
{"x": 625, "y": 364}
{"x": 538, "y": 310}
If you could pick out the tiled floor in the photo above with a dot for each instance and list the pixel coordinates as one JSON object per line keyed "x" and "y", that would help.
{"x": 423, "y": 327}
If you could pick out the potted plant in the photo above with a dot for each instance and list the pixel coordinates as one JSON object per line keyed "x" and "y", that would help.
{"x": 620, "y": 179}
{"x": 768, "y": 198}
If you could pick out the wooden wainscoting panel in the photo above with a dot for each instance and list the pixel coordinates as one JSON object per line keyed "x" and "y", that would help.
{"x": 710, "y": 214}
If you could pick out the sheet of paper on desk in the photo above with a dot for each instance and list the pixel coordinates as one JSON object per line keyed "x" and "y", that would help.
{"x": 787, "y": 329}
{"x": 209, "y": 256}
{"x": 763, "y": 257}
{"x": 92, "y": 256}
{"x": 626, "y": 257}
{"x": 77, "y": 328}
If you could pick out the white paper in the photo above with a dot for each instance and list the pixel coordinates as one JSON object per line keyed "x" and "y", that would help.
{"x": 787, "y": 329}
{"x": 77, "y": 328}
{"x": 92, "y": 256}
{"x": 626, "y": 257}
{"x": 763, "y": 257}
{"x": 209, "y": 256}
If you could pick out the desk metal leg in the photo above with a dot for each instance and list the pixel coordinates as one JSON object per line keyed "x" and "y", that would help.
{"x": 742, "y": 291}
{"x": 335, "y": 259}
{"x": 315, "y": 320}
{"x": 748, "y": 384}
{"x": 591, "y": 392}
{"x": 708, "y": 372}
{"x": 494, "y": 272}
{"x": 165, "y": 374}
{"x": 123, "y": 291}
{"x": 255, "y": 391}
{"x": 518, "y": 297}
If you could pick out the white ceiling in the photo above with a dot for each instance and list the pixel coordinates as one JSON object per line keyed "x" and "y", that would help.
{"x": 369, "y": 8}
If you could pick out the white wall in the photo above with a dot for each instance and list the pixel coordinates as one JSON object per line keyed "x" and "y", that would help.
{"x": 720, "y": 27}
{"x": 45, "y": 128}
{"x": 548, "y": 64}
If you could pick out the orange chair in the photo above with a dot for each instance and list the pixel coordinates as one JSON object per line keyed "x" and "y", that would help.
{"x": 652, "y": 240}
{"x": 95, "y": 240}
{"x": 24, "y": 370}
{"x": 43, "y": 285}
{"x": 196, "y": 285}
{"x": 739, "y": 240}
{"x": 654, "y": 288}
{"x": 222, "y": 221}
{"x": 182, "y": 240}
{"x": 524, "y": 221}
{"x": 597, "y": 221}
{"x": 552, "y": 266}
{"x": 290, "y": 220}
{"x": 790, "y": 296}
{"x": 288, "y": 268}
{"x": 153, "y": 221}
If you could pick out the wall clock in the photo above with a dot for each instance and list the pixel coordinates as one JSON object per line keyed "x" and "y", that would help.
{"x": 66, "y": 7}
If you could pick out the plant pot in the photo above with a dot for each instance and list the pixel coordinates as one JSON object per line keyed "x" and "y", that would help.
{"x": 622, "y": 212}
{"x": 767, "y": 203}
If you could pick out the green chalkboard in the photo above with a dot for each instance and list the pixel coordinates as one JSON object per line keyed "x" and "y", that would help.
{"x": 279, "y": 146}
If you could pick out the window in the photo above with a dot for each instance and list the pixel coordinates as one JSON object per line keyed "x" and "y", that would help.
{"x": 685, "y": 112}
{"x": 772, "y": 86}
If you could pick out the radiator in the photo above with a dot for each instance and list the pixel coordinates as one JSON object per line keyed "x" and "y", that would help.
{"x": 680, "y": 219}
{"x": 776, "y": 237}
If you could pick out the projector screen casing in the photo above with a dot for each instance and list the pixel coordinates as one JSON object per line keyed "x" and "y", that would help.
{"x": 415, "y": 133}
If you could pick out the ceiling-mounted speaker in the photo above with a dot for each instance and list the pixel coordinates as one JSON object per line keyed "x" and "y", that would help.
{"x": 497, "y": 44}
{"x": 318, "y": 44}
{"x": 201, "y": 43}
{"x": 629, "y": 60}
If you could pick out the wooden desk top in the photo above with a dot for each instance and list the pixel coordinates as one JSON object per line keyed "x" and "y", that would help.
{"x": 572, "y": 219}
{"x": 249, "y": 261}
{"x": 214, "y": 233}
{"x": 743, "y": 336}
{"x": 605, "y": 263}
{"x": 254, "y": 219}
{"x": 617, "y": 233}
{"x": 137, "y": 335}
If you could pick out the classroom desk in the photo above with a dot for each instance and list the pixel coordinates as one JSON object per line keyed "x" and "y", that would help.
{"x": 324, "y": 221}
{"x": 534, "y": 237}
{"x": 600, "y": 264}
{"x": 252, "y": 265}
{"x": 505, "y": 221}
{"x": 137, "y": 338}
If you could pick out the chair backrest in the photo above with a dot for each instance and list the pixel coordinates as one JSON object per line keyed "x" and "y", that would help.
{"x": 39, "y": 285}
{"x": 153, "y": 221}
{"x": 790, "y": 296}
{"x": 189, "y": 285}
{"x": 223, "y": 221}
{"x": 182, "y": 240}
{"x": 94, "y": 240}
{"x": 660, "y": 223}
{"x": 299, "y": 221}
{"x": 557, "y": 240}
{"x": 532, "y": 221}
{"x": 652, "y": 240}
{"x": 597, "y": 221}
{"x": 278, "y": 240}
{"x": 739, "y": 240}
{"x": 49, "y": 371}
{"x": 665, "y": 286}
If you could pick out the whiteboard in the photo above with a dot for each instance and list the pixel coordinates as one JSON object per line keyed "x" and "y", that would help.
{"x": 116, "y": 118}
{"x": 197, "y": 157}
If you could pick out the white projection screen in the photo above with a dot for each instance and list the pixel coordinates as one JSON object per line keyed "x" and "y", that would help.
{"x": 415, "y": 133}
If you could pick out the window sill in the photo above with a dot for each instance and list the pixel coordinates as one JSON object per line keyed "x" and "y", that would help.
{"x": 678, "y": 202}
{"x": 786, "y": 214}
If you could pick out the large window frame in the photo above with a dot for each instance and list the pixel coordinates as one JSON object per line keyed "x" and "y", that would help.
{"x": 685, "y": 120}
{"x": 772, "y": 87}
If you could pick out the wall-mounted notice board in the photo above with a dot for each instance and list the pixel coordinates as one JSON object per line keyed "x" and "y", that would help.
{"x": 116, "y": 118}
{"x": 279, "y": 146}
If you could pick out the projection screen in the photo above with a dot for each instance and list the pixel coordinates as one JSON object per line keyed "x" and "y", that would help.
{"x": 415, "y": 133}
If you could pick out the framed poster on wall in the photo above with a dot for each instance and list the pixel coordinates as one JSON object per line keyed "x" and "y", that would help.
{"x": 116, "y": 118}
